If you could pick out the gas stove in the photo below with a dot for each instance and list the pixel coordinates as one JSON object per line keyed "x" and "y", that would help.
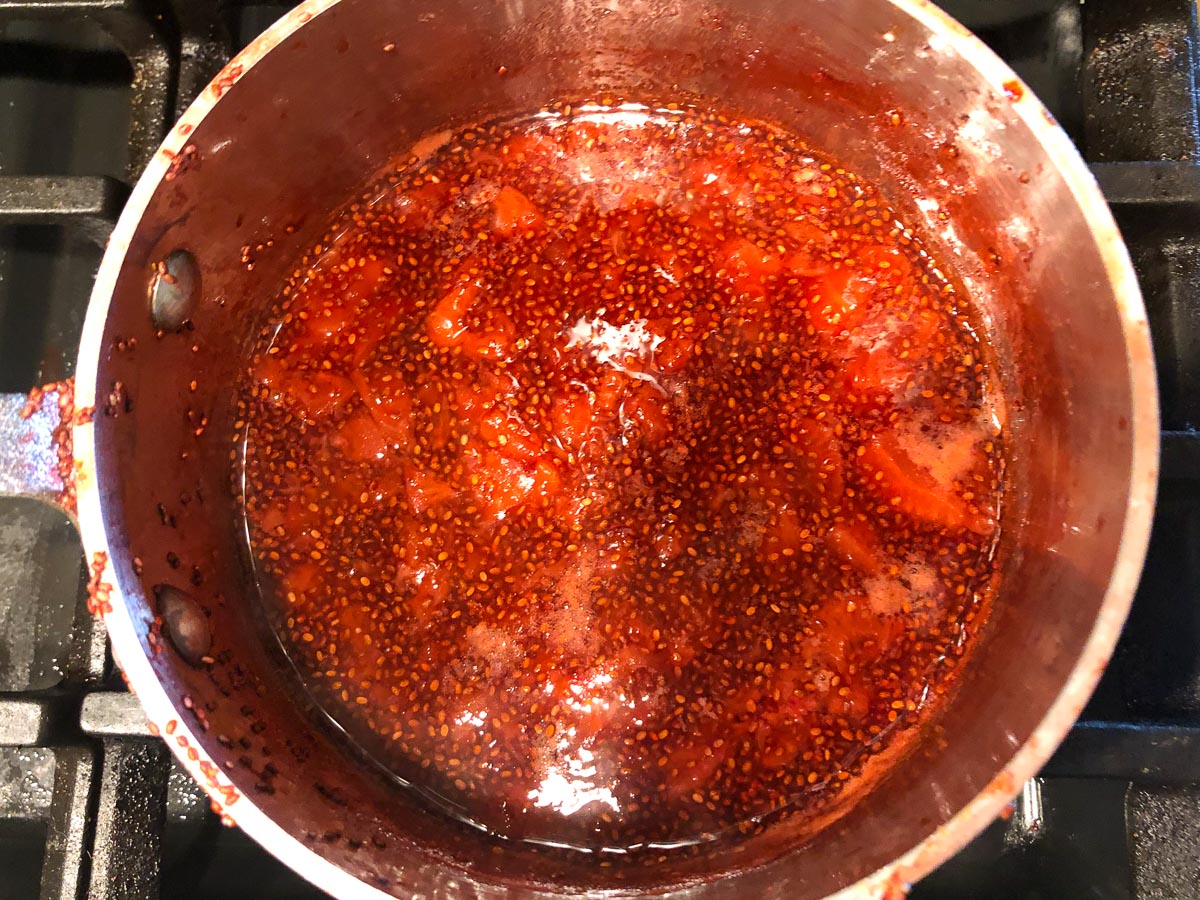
{"x": 91, "y": 806}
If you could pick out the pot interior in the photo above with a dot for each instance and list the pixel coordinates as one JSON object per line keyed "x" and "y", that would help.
{"x": 305, "y": 128}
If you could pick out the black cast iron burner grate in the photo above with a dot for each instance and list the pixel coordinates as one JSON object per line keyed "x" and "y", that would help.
{"x": 91, "y": 806}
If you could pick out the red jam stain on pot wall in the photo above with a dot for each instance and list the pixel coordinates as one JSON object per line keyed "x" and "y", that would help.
{"x": 61, "y": 437}
{"x": 621, "y": 478}
{"x": 99, "y": 592}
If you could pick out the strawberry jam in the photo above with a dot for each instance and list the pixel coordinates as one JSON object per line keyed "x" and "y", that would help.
{"x": 622, "y": 477}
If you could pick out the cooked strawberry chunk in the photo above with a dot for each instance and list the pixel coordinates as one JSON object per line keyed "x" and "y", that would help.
{"x": 912, "y": 490}
{"x": 838, "y": 301}
{"x": 361, "y": 439}
{"x": 854, "y": 543}
{"x": 515, "y": 213}
{"x": 425, "y": 490}
{"x": 446, "y": 325}
{"x": 749, "y": 266}
{"x": 387, "y": 402}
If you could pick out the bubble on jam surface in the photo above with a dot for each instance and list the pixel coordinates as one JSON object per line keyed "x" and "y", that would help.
{"x": 622, "y": 477}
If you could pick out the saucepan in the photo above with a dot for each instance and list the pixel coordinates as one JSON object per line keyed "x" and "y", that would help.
{"x": 290, "y": 131}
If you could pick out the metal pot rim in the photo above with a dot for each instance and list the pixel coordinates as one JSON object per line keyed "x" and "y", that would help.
{"x": 896, "y": 875}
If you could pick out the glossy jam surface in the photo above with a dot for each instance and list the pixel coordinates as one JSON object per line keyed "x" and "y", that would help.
{"x": 622, "y": 478}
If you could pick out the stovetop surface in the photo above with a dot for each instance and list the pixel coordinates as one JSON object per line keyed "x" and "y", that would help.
{"x": 90, "y": 807}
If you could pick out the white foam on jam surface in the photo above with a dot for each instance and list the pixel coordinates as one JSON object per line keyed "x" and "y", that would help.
{"x": 916, "y": 589}
{"x": 946, "y": 452}
{"x": 612, "y": 344}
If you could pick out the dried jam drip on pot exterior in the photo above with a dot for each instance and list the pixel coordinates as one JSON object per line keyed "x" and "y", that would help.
{"x": 622, "y": 477}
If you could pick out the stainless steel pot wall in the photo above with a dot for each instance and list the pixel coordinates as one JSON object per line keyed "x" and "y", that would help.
{"x": 290, "y": 130}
